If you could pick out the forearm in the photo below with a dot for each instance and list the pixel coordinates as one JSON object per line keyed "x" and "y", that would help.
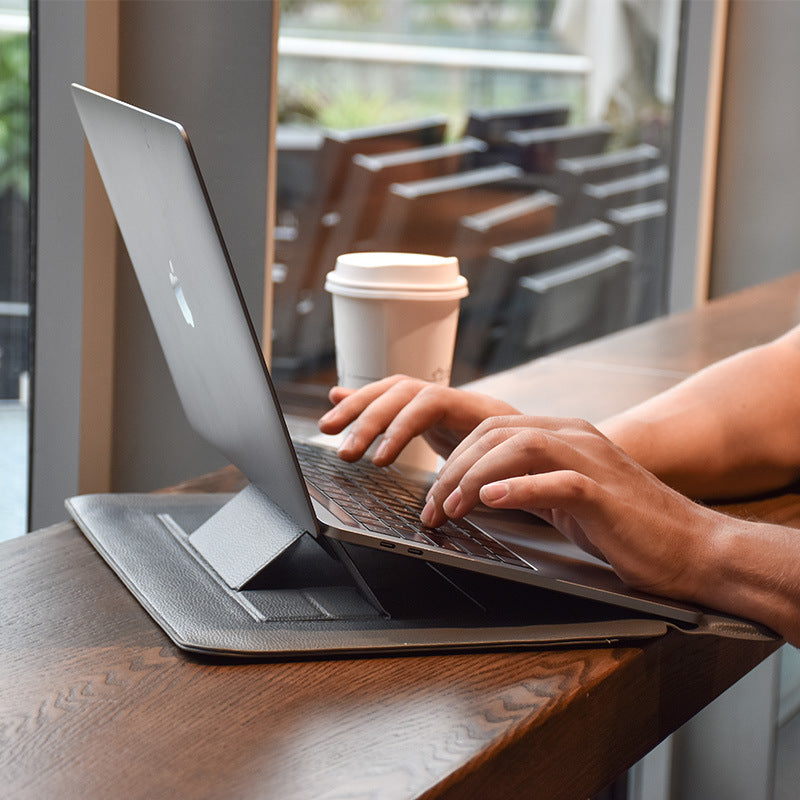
{"x": 731, "y": 430}
{"x": 752, "y": 570}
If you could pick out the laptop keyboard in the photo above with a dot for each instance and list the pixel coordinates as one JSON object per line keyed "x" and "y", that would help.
{"x": 387, "y": 502}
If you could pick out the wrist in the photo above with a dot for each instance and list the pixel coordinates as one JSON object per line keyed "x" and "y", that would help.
{"x": 749, "y": 569}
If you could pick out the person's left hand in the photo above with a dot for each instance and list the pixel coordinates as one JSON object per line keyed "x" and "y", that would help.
{"x": 570, "y": 475}
{"x": 398, "y": 408}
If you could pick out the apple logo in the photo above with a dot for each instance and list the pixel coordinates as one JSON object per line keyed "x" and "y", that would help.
{"x": 179, "y": 296}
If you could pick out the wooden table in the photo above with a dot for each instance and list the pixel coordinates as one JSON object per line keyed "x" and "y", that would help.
{"x": 95, "y": 702}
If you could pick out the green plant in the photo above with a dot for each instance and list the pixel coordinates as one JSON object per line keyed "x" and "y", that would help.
{"x": 350, "y": 108}
{"x": 14, "y": 113}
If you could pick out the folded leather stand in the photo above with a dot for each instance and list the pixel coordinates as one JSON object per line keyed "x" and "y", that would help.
{"x": 309, "y": 603}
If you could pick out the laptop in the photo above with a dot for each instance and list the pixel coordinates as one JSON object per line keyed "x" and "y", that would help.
{"x": 297, "y": 490}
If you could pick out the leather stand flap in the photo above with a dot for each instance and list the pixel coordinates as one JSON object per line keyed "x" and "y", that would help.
{"x": 246, "y": 535}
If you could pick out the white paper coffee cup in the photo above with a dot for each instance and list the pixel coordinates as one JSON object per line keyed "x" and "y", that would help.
{"x": 396, "y": 313}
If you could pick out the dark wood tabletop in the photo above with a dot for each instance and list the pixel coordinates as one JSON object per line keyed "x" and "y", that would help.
{"x": 96, "y": 702}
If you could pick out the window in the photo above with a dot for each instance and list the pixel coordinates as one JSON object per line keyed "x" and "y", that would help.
{"x": 14, "y": 266}
{"x": 531, "y": 138}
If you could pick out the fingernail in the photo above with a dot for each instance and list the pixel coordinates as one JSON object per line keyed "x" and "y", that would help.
{"x": 493, "y": 492}
{"x": 429, "y": 495}
{"x": 381, "y": 451}
{"x": 452, "y": 503}
{"x": 348, "y": 444}
{"x": 427, "y": 513}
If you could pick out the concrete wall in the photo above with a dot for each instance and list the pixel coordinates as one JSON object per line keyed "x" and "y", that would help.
{"x": 206, "y": 64}
{"x": 58, "y": 303}
{"x": 757, "y": 223}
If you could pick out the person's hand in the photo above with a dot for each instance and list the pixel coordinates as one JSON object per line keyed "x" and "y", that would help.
{"x": 401, "y": 408}
{"x": 573, "y": 477}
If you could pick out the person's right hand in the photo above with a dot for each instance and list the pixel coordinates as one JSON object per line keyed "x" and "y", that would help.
{"x": 401, "y": 408}
{"x": 569, "y": 474}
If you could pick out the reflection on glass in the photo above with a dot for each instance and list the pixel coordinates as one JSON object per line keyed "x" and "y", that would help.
{"x": 530, "y": 139}
{"x": 14, "y": 266}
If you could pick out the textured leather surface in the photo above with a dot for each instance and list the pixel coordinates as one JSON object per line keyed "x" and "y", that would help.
{"x": 306, "y": 603}
{"x": 244, "y": 536}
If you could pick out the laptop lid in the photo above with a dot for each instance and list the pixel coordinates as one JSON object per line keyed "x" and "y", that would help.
{"x": 197, "y": 308}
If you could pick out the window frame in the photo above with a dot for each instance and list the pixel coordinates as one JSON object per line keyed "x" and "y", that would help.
{"x": 58, "y": 49}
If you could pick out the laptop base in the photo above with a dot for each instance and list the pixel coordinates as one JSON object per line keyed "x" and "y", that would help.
{"x": 308, "y": 603}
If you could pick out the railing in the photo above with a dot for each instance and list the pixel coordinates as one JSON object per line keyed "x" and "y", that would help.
{"x": 456, "y": 57}
{"x": 14, "y": 22}
{"x": 8, "y": 309}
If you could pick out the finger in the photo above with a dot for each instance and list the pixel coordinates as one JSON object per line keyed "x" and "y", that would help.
{"x": 350, "y": 403}
{"x": 511, "y": 421}
{"x": 511, "y": 451}
{"x": 430, "y": 406}
{"x": 546, "y": 443}
{"x": 474, "y": 444}
{"x": 338, "y": 393}
{"x": 406, "y": 410}
{"x": 497, "y": 452}
{"x": 455, "y": 490}
{"x": 374, "y": 419}
{"x": 569, "y": 501}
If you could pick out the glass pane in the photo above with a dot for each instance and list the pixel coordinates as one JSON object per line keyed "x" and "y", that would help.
{"x": 530, "y": 138}
{"x": 14, "y": 266}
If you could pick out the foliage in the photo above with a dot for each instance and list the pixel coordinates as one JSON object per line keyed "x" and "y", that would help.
{"x": 347, "y": 108}
{"x": 300, "y": 105}
{"x": 14, "y": 113}
{"x": 354, "y": 109}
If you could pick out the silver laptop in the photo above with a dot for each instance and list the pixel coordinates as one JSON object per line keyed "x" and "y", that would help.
{"x": 296, "y": 489}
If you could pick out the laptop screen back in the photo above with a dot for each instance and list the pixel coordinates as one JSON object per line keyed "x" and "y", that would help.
{"x": 183, "y": 269}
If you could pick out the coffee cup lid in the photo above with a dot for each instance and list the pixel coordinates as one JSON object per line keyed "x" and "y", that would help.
{"x": 397, "y": 276}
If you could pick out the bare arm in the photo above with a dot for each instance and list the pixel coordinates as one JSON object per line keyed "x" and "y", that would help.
{"x": 731, "y": 430}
